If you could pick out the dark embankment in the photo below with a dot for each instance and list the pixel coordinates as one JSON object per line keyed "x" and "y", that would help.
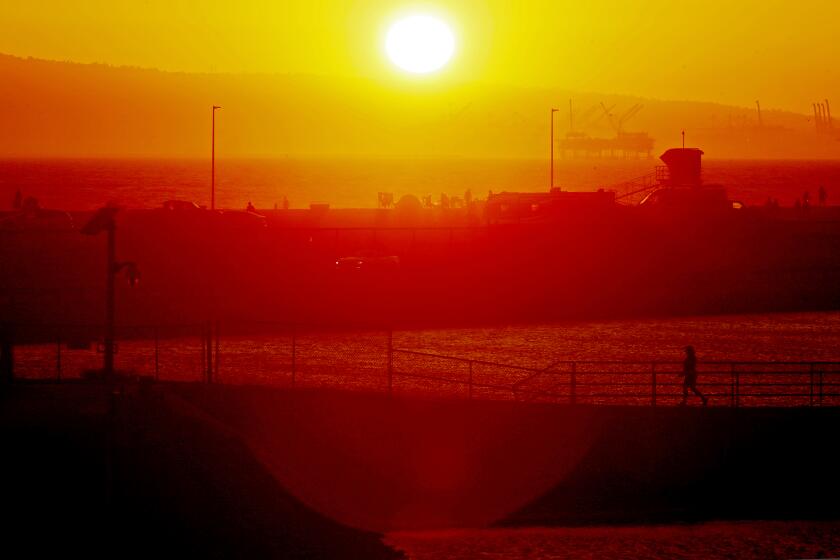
{"x": 382, "y": 463}
{"x": 665, "y": 465}
{"x": 174, "y": 483}
{"x": 453, "y": 268}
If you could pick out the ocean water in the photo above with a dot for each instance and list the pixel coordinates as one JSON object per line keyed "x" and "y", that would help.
{"x": 87, "y": 184}
{"x": 706, "y": 541}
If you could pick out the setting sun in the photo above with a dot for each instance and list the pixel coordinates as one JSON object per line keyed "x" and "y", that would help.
{"x": 420, "y": 44}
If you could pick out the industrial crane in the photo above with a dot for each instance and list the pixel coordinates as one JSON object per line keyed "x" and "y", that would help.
{"x": 618, "y": 124}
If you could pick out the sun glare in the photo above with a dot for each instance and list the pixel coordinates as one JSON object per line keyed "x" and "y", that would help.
{"x": 420, "y": 44}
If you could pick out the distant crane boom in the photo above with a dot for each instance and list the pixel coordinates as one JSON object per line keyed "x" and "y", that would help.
{"x": 618, "y": 124}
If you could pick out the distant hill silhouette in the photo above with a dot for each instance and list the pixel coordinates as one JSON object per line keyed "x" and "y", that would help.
{"x": 67, "y": 109}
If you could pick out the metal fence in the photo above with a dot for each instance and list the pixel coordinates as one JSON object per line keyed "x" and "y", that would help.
{"x": 278, "y": 355}
{"x": 652, "y": 383}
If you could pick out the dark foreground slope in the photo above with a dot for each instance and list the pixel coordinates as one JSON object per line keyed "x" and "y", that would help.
{"x": 687, "y": 465}
{"x": 172, "y": 484}
{"x": 227, "y": 471}
{"x": 403, "y": 463}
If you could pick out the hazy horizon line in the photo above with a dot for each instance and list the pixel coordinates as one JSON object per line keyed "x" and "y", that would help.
{"x": 398, "y": 157}
{"x": 370, "y": 79}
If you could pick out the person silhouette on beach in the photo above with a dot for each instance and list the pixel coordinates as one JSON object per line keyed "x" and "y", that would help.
{"x": 250, "y": 207}
{"x": 822, "y": 196}
{"x": 690, "y": 376}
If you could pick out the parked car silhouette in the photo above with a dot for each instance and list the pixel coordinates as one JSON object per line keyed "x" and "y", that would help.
{"x": 368, "y": 260}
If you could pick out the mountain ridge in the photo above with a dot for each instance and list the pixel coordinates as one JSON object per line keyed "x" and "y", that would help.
{"x": 70, "y": 109}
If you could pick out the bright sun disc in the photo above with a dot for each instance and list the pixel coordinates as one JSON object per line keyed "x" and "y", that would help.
{"x": 420, "y": 44}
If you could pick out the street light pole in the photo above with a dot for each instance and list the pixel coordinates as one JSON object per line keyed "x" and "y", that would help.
{"x": 105, "y": 220}
{"x": 551, "y": 176}
{"x": 110, "y": 301}
{"x": 213, "y": 158}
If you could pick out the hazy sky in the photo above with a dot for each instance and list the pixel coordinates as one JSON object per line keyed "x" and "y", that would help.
{"x": 784, "y": 53}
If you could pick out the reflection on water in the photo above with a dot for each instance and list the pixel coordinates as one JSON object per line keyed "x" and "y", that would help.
{"x": 772, "y": 336}
{"x": 745, "y": 540}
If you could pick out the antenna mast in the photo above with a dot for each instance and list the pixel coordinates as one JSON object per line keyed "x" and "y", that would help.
{"x": 571, "y": 118}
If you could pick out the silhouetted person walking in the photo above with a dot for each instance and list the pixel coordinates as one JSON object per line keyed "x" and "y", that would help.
{"x": 250, "y": 207}
{"x": 822, "y": 195}
{"x": 690, "y": 376}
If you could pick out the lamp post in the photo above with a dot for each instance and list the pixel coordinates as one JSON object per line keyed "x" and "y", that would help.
{"x": 551, "y": 176}
{"x": 105, "y": 220}
{"x": 213, "y": 157}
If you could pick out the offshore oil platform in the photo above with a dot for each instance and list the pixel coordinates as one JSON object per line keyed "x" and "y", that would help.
{"x": 578, "y": 144}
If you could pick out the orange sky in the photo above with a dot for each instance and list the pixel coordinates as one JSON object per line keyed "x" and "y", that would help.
{"x": 781, "y": 52}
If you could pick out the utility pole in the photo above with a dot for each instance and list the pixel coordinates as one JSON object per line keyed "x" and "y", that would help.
{"x": 209, "y": 332}
{"x": 105, "y": 220}
{"x": 110, "y": 299}
{"x": 551, "y": 176}
{"x": 213, "y": 157}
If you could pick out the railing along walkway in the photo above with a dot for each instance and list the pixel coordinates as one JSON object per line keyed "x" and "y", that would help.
{"x": 369, "y": 360}
{"x": 654, "y": 383}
